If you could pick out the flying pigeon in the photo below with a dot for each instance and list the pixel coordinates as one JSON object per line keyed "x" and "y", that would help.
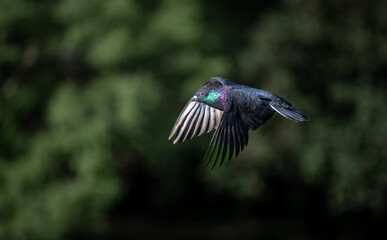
{"x": 232, "y": 109}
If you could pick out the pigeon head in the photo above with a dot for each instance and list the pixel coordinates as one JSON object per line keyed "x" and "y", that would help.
{"x": 215, "y": 98}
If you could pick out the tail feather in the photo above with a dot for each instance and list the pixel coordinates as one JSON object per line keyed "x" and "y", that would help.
{"x": 288, "y": 111}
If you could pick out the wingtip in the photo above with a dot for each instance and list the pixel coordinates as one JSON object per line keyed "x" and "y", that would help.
{"x": 173, "y": 132}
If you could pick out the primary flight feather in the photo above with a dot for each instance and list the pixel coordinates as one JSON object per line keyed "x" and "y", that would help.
{"x": 232, "y": 110}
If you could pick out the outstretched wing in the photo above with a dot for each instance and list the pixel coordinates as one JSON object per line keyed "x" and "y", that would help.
{"x": 229, "y": 139}
{"x": 196, "y": 117}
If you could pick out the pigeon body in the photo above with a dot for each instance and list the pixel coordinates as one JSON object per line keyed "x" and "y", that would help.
{"x": 232, "y": 109}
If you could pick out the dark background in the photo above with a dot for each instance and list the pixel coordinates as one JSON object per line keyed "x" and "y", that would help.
{"x": 90, "y": 91}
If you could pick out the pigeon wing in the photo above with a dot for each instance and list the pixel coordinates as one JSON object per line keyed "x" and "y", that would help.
{"x": 195, "y": 118}
{"x": 229, "y": 139}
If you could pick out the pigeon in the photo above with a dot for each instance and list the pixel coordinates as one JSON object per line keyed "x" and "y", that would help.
{"x": 232, "y": 109}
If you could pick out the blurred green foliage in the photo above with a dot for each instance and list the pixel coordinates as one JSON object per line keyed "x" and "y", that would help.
{"x": 90, "y": 90}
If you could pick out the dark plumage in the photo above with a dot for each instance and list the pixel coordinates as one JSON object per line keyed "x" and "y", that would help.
{"x": 231, "y": 109}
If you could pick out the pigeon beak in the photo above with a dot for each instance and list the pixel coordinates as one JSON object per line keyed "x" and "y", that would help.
{"x": 194, "y": 98}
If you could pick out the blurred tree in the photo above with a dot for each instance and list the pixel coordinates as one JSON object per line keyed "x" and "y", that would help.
{"x": 90, "y": 90}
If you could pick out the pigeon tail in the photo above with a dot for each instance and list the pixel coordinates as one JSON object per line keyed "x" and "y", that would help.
{"x": 286, "y": 110}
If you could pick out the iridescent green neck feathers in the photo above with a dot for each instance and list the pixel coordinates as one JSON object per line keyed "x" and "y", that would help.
{"x": 212, "y": 96}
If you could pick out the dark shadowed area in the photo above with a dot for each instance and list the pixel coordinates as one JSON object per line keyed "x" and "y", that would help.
{"x": 89, "y": 92}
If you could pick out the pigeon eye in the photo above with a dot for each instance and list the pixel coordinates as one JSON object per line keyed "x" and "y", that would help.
{"x": 201, "y": 94}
